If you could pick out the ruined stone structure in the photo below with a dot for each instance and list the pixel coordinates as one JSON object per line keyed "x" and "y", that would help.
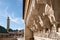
{"x": 42, "y": 19}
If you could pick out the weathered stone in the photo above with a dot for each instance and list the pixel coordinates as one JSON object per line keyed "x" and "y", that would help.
{"x": 43, "y": 19}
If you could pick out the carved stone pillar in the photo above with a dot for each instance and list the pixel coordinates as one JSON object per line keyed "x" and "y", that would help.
{"x": 28, "y": 34}
{"x": 44, "y": 30}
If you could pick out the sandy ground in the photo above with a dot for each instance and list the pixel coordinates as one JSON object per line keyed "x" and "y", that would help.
{"x": 21, "y": 38}
{"x": 41, "y": 38}
{"x": 38, "y": 38}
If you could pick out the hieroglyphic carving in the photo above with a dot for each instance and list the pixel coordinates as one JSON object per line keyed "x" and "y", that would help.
{"x": 50, "y": 13}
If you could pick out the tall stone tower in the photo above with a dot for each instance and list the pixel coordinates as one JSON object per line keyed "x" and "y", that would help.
{"x": 8, "y": 24}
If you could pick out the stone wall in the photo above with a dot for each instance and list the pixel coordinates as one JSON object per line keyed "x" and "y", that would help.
{"x": 8, "y": 39}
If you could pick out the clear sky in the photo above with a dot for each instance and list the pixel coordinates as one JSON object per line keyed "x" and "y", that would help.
{"x": 13, "y": 9}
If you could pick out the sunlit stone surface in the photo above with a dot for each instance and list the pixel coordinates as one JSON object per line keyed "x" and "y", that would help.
{"x": 43, "y": 20}
{"x": 21, "y": 38}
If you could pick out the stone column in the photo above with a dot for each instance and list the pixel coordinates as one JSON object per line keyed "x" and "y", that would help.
{"x": 28, "y": 34}
{"x": 44, "y": 30}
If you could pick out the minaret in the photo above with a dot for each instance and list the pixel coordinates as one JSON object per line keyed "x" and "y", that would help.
{"x": 8, "y": 24}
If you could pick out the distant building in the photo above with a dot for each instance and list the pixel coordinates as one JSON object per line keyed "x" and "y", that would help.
{"x": 8, "y": 24}
{"x": 9, "y": 33}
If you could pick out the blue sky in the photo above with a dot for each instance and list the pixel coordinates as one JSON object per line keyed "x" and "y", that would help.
{"x": 13, "y": 9}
